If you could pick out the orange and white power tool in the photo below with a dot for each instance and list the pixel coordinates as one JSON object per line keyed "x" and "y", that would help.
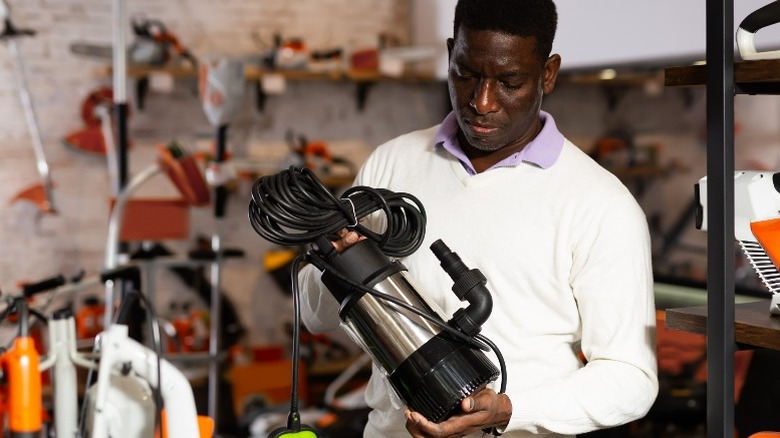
{"x": 756, "y": 223}
{"x": 23, "y": 386}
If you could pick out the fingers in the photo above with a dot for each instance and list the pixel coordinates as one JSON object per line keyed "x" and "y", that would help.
{"x": 468, "y": 404}
{"x": 478, "y": 412}
{"x": 350, "y": 237}
{"x": 412, "y": 426}
{"x": 484, "y": 400}
{"x": 456, "y": 426}
{"x": 346, "y": 239}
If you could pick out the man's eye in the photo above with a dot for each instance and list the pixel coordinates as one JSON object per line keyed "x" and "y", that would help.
{"x": 511, "y": 86}
{"x": 461, "y": 74}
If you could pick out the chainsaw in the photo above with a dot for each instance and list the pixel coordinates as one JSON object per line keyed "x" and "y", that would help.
{"x": 154, "y": 45}
{"x": 756, "y": 224}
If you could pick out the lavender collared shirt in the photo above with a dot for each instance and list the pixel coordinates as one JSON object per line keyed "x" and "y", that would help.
{"x": 542, "y": 151}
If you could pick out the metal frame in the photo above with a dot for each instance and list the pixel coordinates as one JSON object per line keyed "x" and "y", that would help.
{"x": 720, "y": 202}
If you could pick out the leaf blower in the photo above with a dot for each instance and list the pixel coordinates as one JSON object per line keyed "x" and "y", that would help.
{"x": 756, "y": 224}
{"x": 431, "y": 364}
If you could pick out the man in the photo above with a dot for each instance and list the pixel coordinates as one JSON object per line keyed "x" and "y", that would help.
{"x": 563, "y": 244}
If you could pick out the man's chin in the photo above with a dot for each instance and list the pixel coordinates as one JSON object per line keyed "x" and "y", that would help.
{"x": 484, "y": 146}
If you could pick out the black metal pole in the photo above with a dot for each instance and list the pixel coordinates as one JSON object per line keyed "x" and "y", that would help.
{"x": 119, "y": 65}
{"x": 220, "y": 195}
{"x": 122, "y": 144}
{"x": 720, "y": 217}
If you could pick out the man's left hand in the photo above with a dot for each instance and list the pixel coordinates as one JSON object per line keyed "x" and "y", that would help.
{"x": 483, "y": 410}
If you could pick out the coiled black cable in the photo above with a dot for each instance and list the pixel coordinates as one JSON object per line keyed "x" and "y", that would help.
{"x": 294, "y": 208}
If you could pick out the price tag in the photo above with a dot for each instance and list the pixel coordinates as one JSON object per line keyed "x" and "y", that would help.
{"x": 161, "y": 82}
{"x": 273, "y": 83}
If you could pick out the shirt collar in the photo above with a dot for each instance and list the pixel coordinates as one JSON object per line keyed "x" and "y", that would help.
{"x": 542, "y": 151}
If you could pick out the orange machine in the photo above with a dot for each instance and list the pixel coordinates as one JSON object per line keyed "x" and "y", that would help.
{"x": 21, "y": 372}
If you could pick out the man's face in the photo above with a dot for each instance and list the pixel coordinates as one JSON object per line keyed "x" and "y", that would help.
{"x": 496, "y": 83}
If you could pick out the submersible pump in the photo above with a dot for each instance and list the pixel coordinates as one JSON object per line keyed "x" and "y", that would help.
{"x": 432, "y": 364}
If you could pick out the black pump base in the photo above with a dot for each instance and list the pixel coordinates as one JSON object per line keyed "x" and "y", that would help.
{"x": 440, "y": 374}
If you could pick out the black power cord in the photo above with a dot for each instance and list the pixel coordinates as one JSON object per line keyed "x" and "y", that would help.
{"x": 293, "y": 208}
{"x": 294, "y": 428}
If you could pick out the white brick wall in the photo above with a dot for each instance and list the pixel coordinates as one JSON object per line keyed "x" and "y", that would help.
{"x": 34, "y": 247}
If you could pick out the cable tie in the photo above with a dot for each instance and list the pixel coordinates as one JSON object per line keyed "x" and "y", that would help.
{"x": 354, "y": 213}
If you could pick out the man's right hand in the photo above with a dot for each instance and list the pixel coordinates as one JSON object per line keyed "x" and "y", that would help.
{"x": 346, "y": 239}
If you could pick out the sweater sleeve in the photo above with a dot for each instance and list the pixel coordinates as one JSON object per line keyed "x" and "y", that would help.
{"x": 611, "y": 279}
{"x": 319, "y": 309}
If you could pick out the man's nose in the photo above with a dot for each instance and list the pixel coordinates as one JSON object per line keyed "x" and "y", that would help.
{"x": 484, "y": 100}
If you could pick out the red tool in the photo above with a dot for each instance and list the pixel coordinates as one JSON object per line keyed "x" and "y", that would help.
{"x": 95, "y": 112}
{"x": 191, "y": 329}
{"x": 40, "y": 194}
{"x": 156, "y": 32}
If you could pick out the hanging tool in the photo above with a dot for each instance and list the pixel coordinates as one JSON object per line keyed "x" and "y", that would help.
{"x": 97, "y": 135}
{"x": 165, "y": 46}
{"x": 154, "y": 45}
{"x": 314, "y": 154}
{"x": 756, "y": 224}
{"x": 40, "y": 194}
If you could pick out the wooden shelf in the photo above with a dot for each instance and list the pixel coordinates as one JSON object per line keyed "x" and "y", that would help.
{"x": 138, "y": 71}
{"x": 254, "y": 72}
{"x": 745, "y": 72}
{"x": 622, "y": 78}
{"x": 363, "y": 79}
{"x": 753, "y": 324}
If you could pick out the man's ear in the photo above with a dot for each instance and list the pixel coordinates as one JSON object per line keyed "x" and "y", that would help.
{"x": 551, "y": 68}
{"x": 450, "y": 45}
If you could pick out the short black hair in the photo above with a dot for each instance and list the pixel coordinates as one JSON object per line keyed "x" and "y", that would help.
{"x": 529, "y": 18}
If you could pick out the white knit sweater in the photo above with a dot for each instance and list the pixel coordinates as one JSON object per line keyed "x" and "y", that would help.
{"x": 566, "y": 252}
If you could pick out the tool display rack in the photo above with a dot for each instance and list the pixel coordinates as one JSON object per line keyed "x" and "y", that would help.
{"x": 723, "y": 79}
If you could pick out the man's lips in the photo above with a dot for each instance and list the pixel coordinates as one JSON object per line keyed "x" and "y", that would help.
{"x": 481, "y": 128}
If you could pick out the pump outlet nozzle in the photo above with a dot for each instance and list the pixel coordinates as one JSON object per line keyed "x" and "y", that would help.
{"x": 469, "y": 286}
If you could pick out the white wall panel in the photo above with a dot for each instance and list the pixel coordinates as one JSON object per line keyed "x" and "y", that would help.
{"x": 607, "y": 33}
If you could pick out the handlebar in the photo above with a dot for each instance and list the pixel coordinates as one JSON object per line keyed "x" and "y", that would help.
{"x": 31, "y": 289}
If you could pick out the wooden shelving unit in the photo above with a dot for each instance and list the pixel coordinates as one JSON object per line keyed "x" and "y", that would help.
{"x": 724, "y": 322}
